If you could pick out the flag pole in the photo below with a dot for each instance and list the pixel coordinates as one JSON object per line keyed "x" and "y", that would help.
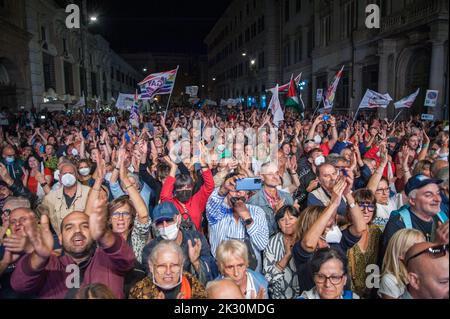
{"x": 170, "y": 96}
{"x": 398, "y": 115}
{"x": 356, "y": 115}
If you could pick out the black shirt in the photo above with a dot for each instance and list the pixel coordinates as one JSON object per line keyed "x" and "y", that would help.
{"x": 303, "y": 258}
{"x": 69, "y": 200}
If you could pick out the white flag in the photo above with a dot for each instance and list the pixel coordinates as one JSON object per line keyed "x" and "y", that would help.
{"x": 192, "y": 91}
{"x": 81, "y": 102}
{"x": 372, "y": 100}
{"x": 275, "y": 107}
{"x": 408, "y": 101}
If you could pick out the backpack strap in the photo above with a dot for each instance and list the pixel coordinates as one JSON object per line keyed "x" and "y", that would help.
{"x": 406, "y": 217}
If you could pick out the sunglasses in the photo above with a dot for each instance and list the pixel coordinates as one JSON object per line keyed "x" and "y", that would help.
{"x": 436, "y": 251}
{"x": 370, "y": 207}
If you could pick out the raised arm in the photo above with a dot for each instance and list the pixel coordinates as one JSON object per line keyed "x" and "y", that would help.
{"x": 311, "y": 239}
{"x": 136, "y": 198}
{"x": 376, "y": 177}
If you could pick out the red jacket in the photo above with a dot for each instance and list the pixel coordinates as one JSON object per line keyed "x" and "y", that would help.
{"x": 372, "y": 153}
{"x": 107, "y": 266}
{"x": 196, "y": 204}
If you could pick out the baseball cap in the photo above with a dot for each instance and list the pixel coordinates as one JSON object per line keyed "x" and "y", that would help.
{"x": 165, "y": 211}
{"x": 419, "y": 181}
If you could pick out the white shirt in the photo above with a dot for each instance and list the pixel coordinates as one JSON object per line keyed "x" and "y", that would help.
{"x": 384, "y": 211}
{"x": 390, "y": 287}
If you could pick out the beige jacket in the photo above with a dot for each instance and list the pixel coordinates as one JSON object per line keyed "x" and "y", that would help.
{"x": 54, "y": 205}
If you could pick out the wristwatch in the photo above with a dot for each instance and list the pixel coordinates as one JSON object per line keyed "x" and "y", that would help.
{"x": 352, "y": 205}
{"x": 248, "y": 222}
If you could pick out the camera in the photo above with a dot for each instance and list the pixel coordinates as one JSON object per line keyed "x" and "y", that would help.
{"x": 326, "y": 118}
{"x": 249, "y": 184}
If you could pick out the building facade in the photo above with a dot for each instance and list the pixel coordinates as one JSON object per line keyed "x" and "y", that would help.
{"x": 193, "y": 70}
{"x": 15, "y": 87}
{"x": 244, "y": 51}
{"x": 317, "y": 38}
{"x": 42, "y": 60}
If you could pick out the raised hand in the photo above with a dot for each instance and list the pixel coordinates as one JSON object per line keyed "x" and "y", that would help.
{"x": 442, "y": 233}
{"x": 260, "y": 294}
{"x": 98, "y": 217}
{"x": 338, "y": 190}
{"x": 15, "y": 244}
{"x": 41, "y": 237}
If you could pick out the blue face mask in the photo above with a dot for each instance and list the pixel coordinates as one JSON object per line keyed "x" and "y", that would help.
{"x": 10, "y": 159}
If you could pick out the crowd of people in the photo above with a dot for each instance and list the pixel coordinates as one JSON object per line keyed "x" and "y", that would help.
{"x": 94, "y": 208}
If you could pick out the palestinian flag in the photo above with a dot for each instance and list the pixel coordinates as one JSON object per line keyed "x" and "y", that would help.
{"x": 292, "y": 97}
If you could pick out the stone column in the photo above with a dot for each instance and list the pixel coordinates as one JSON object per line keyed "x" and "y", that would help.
{"x": 385, "y": 48}
{"x": 438, "y": 35}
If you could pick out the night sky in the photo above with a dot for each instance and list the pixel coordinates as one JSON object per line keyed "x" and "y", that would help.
{"x": 173, "y": 26}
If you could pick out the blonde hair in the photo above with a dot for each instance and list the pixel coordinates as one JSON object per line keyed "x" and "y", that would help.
{"x": 307, "y": 218}
{"x": 397, "y": 247}
{"x": 231, "y": 248}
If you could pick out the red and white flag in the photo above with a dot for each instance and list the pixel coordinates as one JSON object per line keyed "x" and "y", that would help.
{"x": 408, "y": 101}
{"x": 372, "y": 100}
{"x": 331, "y": 92}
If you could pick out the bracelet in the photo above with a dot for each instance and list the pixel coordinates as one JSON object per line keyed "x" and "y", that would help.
{"x": 293, "y": 173}
{"x": 97, "y": 190}
{"x": 116, "y": 168}
{"x": 425, "y": 146}
{"x": 129, "y": 186}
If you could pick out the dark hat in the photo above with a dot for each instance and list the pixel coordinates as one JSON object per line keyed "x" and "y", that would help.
{"x": 419, "y": 181}
{"x": 164, "y": 211}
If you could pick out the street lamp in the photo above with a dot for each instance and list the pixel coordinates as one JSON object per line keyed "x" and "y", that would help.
{"x": 252, "y": 62}
{"x": 93, "y": 18}
{"x": 244, "y": 54}
{"x": 213, "y": 79}
{"x": 144, "y": 70}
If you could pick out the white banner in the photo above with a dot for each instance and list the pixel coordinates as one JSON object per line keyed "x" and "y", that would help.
{"x": 407, "y": 102}
{"x": 125, "y": 101}
{"x": 192, "y": 91}
{"x": 374, "y": 99}
{"x": 275, "y": 107}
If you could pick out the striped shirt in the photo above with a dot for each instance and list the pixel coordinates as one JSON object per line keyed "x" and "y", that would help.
{"x": 223, "y": 226}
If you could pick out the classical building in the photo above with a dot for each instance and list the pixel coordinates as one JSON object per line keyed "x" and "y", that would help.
{"x": 193, "y": 70}
{"x": 317, "y": 38}
{"x": 41, "y": 59}
{"x": 15, "y": 88}
{"x": 244, "y": 51}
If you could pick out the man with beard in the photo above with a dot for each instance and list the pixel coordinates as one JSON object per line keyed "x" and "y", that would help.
{"x": 230, "y": 218}
{"x": 92, "y": 254}
{"x": 178, "y": 189}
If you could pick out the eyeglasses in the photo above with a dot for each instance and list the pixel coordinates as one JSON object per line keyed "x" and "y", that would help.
{"x": 437, "y": 252}
{"x": 383, "y": 190}
{"x": 334, "y": 279}
{"x": 20, "y": 221}
{"x": 119, "y": 215}
{"x": 173, "y": 268}
{"x": 370, "y": 207}
{"x": 5, "y": 212}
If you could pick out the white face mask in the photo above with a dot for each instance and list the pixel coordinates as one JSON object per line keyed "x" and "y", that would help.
{"x": 317, "y": 139}
{"x": 334, "y": 236}
{"x": 319, "y": 160}
{"x": 56, "y": 175}
{"x": 68, "y": 180}
{"x": 167, "y": 287}
{"x": 169, "y": 232}
{"x": 84, "y": 171}
{"x": 74, "y": 152}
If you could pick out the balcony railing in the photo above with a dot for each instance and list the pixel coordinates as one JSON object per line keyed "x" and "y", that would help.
{"x": 413, "y": 13}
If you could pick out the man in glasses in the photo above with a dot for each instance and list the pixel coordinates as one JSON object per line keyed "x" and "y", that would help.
{"x": 167, "y": 221}
{"x": 423, "y": 211}
{"x": 428, "y": 273}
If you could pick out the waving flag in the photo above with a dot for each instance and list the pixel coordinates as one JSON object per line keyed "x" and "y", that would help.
{"x": 285, "y": 88}
{"x": 134, "y": 114}
{"x": 275, "y": 107}
{"x": 372, "y": 100}
{"x": 158, "y": 84}
{"x": 292, "y": 99}
{"x": 407, "y": 102}
{"x": 331, "y": 93}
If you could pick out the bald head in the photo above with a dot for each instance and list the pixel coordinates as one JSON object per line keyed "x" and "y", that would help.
{"x": 223, "y": 289}
{"x": 428, "y": 272}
